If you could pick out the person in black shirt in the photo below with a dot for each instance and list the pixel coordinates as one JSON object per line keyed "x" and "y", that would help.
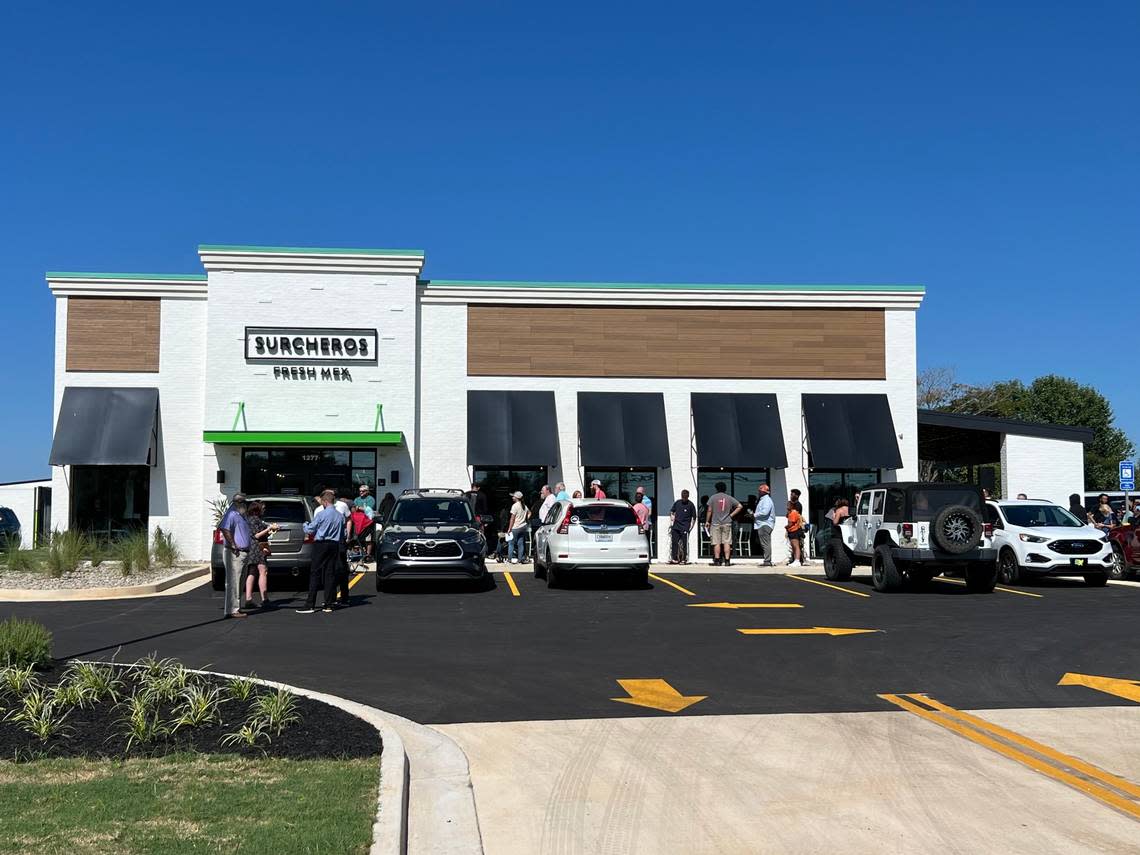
{"x": 681, "y": 518}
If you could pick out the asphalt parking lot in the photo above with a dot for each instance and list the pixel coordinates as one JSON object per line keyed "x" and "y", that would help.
{"x": 737, "y": 643}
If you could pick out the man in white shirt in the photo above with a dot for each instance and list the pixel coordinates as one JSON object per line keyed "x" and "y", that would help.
{"x": 763, "y": 521}
{"x": 548, "y": 500}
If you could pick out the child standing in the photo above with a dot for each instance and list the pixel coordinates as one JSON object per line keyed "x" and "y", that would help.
{"x": 795, "y": 529}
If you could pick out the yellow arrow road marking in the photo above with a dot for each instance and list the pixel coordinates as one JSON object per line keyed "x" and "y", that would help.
{"x": 656, "y": 694}
{"x": 808, "y": 630}
{"x": 960, "y": 723}
{"x": 1127, "y": 689}
{"x": 828, "y": 585}
{"x": 511, "y": 583}
{"x": 744, "y": 606}
{"x": 671, "y": 584}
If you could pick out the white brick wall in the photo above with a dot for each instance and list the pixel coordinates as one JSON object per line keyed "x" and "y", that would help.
{"x": 443, "y": 451}
{"x": 1049, "y": 469}
{"x": 21, "y": 500}
{"x": 175, "y": 501}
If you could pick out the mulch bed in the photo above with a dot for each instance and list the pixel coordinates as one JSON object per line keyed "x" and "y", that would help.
{"x": 324, "y": 732}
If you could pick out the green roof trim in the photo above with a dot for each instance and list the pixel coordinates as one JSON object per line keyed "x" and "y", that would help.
{"x": 178, "y": 277}
{"x": 307, "y": 250}
{"x": 672, "y": 286}
{"x": 303, "y": 437}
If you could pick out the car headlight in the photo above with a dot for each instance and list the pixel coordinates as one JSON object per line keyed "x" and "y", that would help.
{"x": 1032, "y": 538}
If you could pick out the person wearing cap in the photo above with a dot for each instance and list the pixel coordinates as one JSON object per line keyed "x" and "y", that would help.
{"x": 517, "y": 531}
{"x": 366, "y": 500}
{"x": 596, "y": 487}
{"x": 234, "y": 528}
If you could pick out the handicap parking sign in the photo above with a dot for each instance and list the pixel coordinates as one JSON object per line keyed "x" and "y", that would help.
{"x": 1127, "y": 475}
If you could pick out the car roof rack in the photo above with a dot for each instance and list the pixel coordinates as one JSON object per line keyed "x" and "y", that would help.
{"x": 410, "y": 491}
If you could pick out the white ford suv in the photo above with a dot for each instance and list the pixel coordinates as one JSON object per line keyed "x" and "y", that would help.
{"x": 590, "y": 534}
{"x": 1036, "y": 538}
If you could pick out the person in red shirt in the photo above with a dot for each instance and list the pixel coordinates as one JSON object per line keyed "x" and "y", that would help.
{"x": 596, "y": 486}
{"x": 795, "y": 529}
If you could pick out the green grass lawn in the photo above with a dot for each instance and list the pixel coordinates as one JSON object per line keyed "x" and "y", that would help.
{"x": 188, "y": 804}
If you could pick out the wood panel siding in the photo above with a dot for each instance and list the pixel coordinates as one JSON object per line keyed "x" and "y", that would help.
{"x": 113, "y": 333}
{"x": 765, "y": 343}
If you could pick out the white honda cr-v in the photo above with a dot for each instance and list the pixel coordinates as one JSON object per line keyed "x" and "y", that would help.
{"x": 590, "y": 534}
{"x": 1035, "y": 538}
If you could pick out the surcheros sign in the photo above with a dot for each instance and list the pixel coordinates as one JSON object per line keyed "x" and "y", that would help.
{"x": 307, "y": 345}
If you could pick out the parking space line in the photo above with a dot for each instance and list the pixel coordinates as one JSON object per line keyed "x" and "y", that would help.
{"x": 665, "y": 581}
{"x": 354, "y": 580}
{"x": 964, "y": 725}
{"x": 511, "y": 582}
{"x": 996, "y": 587}
{"x": 828, "y": 585}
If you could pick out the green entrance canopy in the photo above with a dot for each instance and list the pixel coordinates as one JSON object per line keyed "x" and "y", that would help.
{"x": 303, "y": 437}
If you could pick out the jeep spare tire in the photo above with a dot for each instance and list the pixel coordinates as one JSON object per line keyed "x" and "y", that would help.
{"x": 957, "y": 529}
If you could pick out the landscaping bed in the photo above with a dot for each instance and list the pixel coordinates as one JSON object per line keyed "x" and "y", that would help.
{"x": 108, "y": 574}
{"x": 160, "y": 708}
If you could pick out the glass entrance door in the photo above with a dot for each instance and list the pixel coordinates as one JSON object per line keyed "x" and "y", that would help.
{"x": 300, "y": 471}
{"x": 623, "y": 484}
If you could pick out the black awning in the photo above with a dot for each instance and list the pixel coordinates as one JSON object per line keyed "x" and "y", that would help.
{"x": 851, "y": 432}
{"x": 100, "y": 426}
{"x": 511, "y": 429}
{"x": 738, "y": 431}
{"x": 622, "y": 429}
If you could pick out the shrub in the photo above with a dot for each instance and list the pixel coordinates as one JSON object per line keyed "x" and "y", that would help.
{"x": 24, "y": 643}
{"x": 141, "y": 722}
{"x": 15, "y": 680}
{"x": 65, "y": 551}
{"x": 166, "y": 551}
{"x": 39, "y": 713}
{"x": 241, "y": 688}
{"x": 276, "y": 711}
{"x": 198, "y": 706}
{"x": 99, "y": 681}
{"x": 132, "y": 551}
{"x": 249, "y": 734}
{"x": 18, "y": 560}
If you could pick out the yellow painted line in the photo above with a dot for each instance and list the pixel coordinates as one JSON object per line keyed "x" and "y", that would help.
{"x": 744, "y": 606}
{"x": 511, "y": 583}
{"x": 808, "y": 630}
{"x": 671, "y": 584}
{"x": 828, "y": 585}
{"x": 1094, "y": 790}
{"x": 996, "y": 587}
{"x": 354, "y": 580}
{"x": 1044, "y": 750}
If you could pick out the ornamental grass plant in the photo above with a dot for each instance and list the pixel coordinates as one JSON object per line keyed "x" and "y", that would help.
{"x": 166, "y": 551}
{"x": 132, "y": 551}
{"x": 24, "y": 643}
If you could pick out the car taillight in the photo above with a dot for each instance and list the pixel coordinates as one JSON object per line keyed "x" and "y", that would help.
{"x": 309, "y": 538}
{"x": 218, "y": 539}
{"x": 908, "y": 531}
{"x": 988, "y": 529}
{"x": 564, "y": 526}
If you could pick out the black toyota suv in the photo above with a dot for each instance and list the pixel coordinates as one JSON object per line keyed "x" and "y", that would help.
{"x": 431, "y": 534}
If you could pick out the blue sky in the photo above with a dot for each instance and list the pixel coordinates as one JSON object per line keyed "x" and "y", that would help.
{"x": 990, "y": 151}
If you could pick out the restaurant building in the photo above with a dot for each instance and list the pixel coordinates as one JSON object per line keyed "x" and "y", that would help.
{"x": 282, "y": 368}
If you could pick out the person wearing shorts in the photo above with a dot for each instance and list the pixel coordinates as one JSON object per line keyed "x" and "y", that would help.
{"x": 722, "y": 510}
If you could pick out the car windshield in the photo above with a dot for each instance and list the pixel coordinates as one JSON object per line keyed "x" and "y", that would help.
{"x": 1039, "y": 515}
{"x": 283, "y": 512}
{"x": 608, "y": 515}
{"x": 431, "y": 512}
{"x": 926, "y": 503}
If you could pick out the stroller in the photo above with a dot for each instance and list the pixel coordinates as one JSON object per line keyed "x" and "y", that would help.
{"x": 363, "y": 528}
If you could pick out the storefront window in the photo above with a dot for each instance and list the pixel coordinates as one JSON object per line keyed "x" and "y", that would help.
{"x": 300, "y": 471}
{"x": 498, "y": 484}
{"x": 110, "y": 501}
{"x": 742, "y": 484}
{"x": 623, "y": 484}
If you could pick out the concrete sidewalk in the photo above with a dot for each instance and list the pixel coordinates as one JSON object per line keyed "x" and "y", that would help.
{"x": 848, "y": 782}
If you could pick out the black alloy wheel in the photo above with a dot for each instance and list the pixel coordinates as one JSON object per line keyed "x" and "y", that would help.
{"x": 957, "y": 529}
{"x": 1008, "y": 569}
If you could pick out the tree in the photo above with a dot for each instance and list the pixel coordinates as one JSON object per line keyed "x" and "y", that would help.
{"x": 1050, "y": 400}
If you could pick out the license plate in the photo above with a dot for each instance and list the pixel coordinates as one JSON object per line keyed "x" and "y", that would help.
{"x": 603, "y": 538}
{"x": 1080, "y": 562}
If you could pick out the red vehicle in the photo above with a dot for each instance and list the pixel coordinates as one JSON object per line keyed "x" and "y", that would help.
{"x": 1125, "y": 541}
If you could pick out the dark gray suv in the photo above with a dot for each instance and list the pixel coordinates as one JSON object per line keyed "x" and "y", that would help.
{"x": 292, "y": 549}
{"x": 431, "y": 534}
{"x": 9, "y": 528}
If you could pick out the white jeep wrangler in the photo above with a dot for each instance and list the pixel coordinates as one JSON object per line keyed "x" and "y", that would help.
{"x": 912, "y": 531}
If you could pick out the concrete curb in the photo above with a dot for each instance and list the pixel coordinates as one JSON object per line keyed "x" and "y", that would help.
{"x": 390, "y": 829}
{"x": 49, "y": 595}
